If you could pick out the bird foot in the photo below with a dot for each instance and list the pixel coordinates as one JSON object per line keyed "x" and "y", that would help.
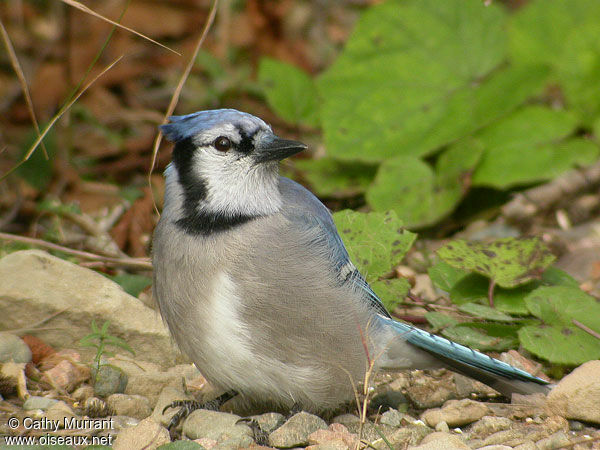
{"x": 261, "y": 437}
{"x": 186, "y": 407}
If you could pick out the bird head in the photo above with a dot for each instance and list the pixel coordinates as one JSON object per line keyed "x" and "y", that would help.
{"x": 224, "y": 165}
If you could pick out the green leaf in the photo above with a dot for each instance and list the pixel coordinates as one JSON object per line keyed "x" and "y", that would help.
{"x": 113, "y": 340}
{"x": 509, "y": 261}
{"x": 375, "y": 241}
{"x": 181, "y": 445}
{"x": 564, "y": 35}
{"x": 37, "y": 170}
{"x": 444, "y": 276}
{"x": 406, "y": 102}
{"x": 133, "y": 284}
{"x": 329, "y": 177}
{"x": 485, "y": 312}
{"x": 473, "y": 288}
{"x": 440, "y": 321}
{"x": 553, "y": 276}
{"x": 104, "y": 328}
{"x": 560, "y": 345}
{"x": 131, "y": 193}
{"x": 391, "y": 292}
{"x": 558, "y": 339}
{"x": 528, "y": 146}
{"x": 484, "y": 336}
{"x": 291, "y": 92}
{"x": 419, "y": 195}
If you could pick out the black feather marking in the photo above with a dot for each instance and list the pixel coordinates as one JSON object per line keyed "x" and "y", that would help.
{"x": 195, "y": 191}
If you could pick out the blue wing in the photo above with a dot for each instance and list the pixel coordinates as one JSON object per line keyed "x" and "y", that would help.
{"x": 304, "y": 207}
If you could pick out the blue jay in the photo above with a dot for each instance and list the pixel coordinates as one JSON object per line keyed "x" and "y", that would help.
{"x": 257, "y": 288}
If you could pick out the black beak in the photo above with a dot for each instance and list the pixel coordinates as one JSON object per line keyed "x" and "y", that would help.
{"x": 275, "y": 149}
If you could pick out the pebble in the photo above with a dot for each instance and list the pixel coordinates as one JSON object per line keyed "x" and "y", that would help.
{"x": 82, "y": 393}
{"x": 12, "y": 348}
{"x": 35, "y": 402}
{"x": 577, "y": 396}
{"x": 389, "y": 399}
{"x": 455, "y": 413}
{"x": 295, "y": 432}
{"x": 59, "y": 412}
{"x": 336, "y": 435}
{"x": 67, "y": 375}
{"x": 147, "y": 435}
{"x": 400, "y": 437}
{"x": 440, "y": 441}
{"x": 488, "y": 425}
{"x": 129, "y": 405}
{"x": 109, "y": 380}
{"x": 370, "y": 431}
{"x": 431, "y": 392}
{"x": 220, "y": 426}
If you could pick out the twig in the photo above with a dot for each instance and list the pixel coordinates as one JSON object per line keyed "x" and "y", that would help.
{"x": 419, "y": 302}
{"x": 491, "y": 287}
{"x": 586, "y": 329}
{"x": 136, "y": 263}
{"x": 527, "y": 204}
{"x": 87, "y": 10}
{"x": 58, "y": 116}
{"x": 22, "y": 81}
{"x": 177, "y": 93}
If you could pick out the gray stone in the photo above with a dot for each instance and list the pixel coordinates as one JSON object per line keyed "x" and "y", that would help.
{"x": 219, "y": 426}
{"x": 370, "y": 432}
{"x": 455, "y": 413}
{"x": 488, "y": 425}
{"x": 12, "y": 348}
{"x": 147, "y": 435}
{"x": 400, "y": 437}
{"x": 560, "y": 439}
{"x": 35, "y": 402}
{"x": 295, "y": 432}
{"x": 59, "y": 412}
{"x": 441, "y": 441}
{"x": 82, "y": 393}
{"x": 577, "y": 396}
{"x": 269, "y": 422}
{"x": 35, "y": 285}
{"x": 149, "y": 380}
{"x": 109, "y": 380}
{"x": 389, "y": 399}
{"x": 430, "y": 392}
{"x": 129, "y": 405}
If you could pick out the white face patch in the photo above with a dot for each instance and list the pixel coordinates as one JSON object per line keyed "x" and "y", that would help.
{"x": 236, "y": 184}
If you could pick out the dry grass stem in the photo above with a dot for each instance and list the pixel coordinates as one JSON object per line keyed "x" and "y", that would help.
{"x": 91, "y": 12}
{"x": 58, "y": 115}
{"x": 12, "y": 55}
{"x": 177, "y": 92}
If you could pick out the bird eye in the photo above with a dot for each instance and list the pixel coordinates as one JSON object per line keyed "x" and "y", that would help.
{"x": 222, "y": 144}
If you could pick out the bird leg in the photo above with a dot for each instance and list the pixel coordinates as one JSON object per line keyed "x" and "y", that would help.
{"x": 187, "y": 406}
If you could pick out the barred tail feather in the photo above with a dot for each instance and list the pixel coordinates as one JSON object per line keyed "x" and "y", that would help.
{"x": 503, "y": 377}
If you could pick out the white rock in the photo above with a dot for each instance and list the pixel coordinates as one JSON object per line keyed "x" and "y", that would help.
{"x": 34, "y": 285}
{"x": 577, "y": 396}
{"x": 147, "y": 435}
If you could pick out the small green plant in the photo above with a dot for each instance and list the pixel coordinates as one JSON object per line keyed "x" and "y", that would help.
{"x": 99, "y": 338}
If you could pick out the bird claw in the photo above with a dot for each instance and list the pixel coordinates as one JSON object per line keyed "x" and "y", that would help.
{"x": 186, "y": 407}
